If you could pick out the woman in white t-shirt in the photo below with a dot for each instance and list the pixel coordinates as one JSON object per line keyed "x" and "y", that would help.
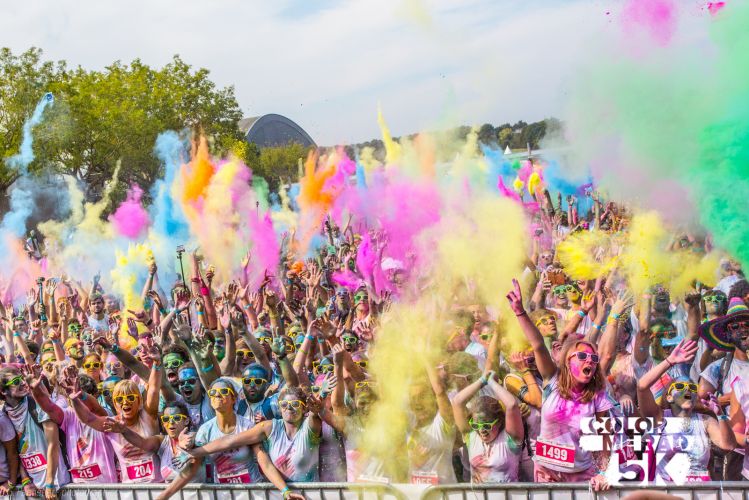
{"x": 574, "y": 390}
{"x": 492, "y": 435}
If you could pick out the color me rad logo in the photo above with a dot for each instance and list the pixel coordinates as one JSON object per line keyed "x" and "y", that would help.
{"x": 643, "y": 453}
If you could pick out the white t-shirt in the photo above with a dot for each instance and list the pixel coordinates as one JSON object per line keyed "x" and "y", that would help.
{"x": 430, "y": 451}
{"x": 100, "y": 325}
{"x": 332, "y": 456}
{"x": 235, "y": 466}
{"x": 168, "y": 472}
{"x": 495, "y": 462}
{"x": 7, "y": 433}
{"x": 560, "y": 425}
{"x": 90, "y": 454}
{"x": 137, "y": 466}
{"x": 296, "y": 458}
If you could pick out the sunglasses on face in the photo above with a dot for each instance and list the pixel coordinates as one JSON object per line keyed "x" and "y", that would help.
{"x": 173, "y": 363}
{"x": 14, "y": 381}
{"x": 289, "y": 347}
{"x": 92, "y": 365}
{"x": 187, "y": 381}
{"x": 667, "y": 334}
{"x": 582, "y": 356}
{"x": 362, "y": 364}
{"x": 482, "y": 426}
{"x": 105, "y": 392}
{"x": 255, "y": 381}
{"x": 114, "y": 366}
{"x": 715, "y": 298}
{"x": 349, "y": 340}
{"x": 221, "y": 391}
{"x": 360, "y": 298}
{"x": 737, "y": 326}
{"x": 264, "y": 340}
{"x": 546, "y": 320}
{"x": 130, "y": 398}
{"x": 176, "y": 419}
{"x": 486, "y": 336}
{"x": 48, "y": 349}
{"x": 680, "y": 386}
{"x": 242, "y": 353}
{"x": 295, "y": 404}
{"x": 563, "y": 289}
{"x": 48, "y": 366}
{"x": 324, "y": 368}
{"x": 363, "y": 383}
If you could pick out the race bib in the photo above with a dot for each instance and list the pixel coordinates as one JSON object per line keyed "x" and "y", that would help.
{"x": 140, "y": 471}
{"x": 241, "y": 477}
{"x": 424, "y": 477}
{"x": 33, "y": 462}
{"x": 87, "y": 473}
{"x": 557, "y": 454}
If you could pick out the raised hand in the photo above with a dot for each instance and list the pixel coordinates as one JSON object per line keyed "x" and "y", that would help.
{"x": 516, "y": 360}
{"x": 156, "y": 299}
{"x": 180, "y": 460}
{"x": 186, "y": 439}
{"x": 683, "y": 353}
{"x": 32, "y": 374}
{"x": 624, "y": 300}
{"x": 154, "y": 353}
{"x": 152, "y": 268}
{"x": 182, "y": 299}
{"x": 278, "y": 347}
{"x": 140, "y": 316}
{"x": 69, "y": 381}
{"x": 31, "y": 297}
{"x": 114, "y": 425}
{"x": 132, "y": 328}
{"x": 182, "y": 328}
{"x": 515, "y": 298}
{"x": 328, "y": 384}
{"x": 338, "y": 353}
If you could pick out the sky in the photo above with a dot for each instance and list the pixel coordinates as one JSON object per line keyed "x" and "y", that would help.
{"x": 327, "y": 64}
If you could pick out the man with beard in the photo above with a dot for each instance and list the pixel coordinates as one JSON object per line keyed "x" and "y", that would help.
{"x": 255, "y": 405}
{"x": 729, "y": 333}
{"x": 192, "y": 394}
{"x": 97, "y": 319}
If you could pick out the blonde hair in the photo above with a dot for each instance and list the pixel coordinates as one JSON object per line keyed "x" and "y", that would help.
{"x": 567, "y": 381}
{"x": 125, "y": 387}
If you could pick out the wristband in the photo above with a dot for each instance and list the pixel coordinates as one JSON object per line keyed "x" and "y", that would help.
{"x": 616, "y": 316}
{"x": 49, "y": 486}
{"x": 204, "y": 291}
{"x": 247, "y": 306}
{"x": 55, "y": 341}
{"x": 206, "y": 369}
{"x": 723, "y": 418}
{"x": 26, "y": 481}
{"x": 115, "y": 349}
{"x": 163, "y": 312}
{"x": 581, "y": 313}
{"x": 285, "y": 491}
{"x": 310, "y": 337}
{"x": 597, "y": 327}
{"x": 484, "y": 381}
{"x": 16, "y": 334}
{"x": 521, "y": 314}
{"x": 83, "y": 396}
{"x": 199, "y": 313}
{"x": 156, "y": 366}
{"x": 669, "y": 363}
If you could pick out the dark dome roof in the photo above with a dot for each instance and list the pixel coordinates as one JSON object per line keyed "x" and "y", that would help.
{"x": 274, "y": 130}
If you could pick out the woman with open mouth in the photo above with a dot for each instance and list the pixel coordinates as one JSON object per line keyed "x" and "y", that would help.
{"x": 178, "y": 433}
{"x": 679, "y": 406}
{"x": 493, "y": 436}
{"x": 233, "y": 443}
{"x": 573, "y": 390}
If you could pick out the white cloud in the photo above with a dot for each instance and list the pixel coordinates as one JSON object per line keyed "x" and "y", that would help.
{"x": 430, "y": 63}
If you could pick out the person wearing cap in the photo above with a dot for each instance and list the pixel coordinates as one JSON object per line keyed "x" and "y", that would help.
{"x": 729, "y": 333}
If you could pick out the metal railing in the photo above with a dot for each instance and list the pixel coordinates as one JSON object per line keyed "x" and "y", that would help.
{"x": 581, "y": 491}
{"x": 264, "y": 491}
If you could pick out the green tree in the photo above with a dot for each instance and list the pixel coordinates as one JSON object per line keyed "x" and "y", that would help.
{"x": 487, "y": 134}
{"x": 278, "y": 164}
{"x": 505, "y": 137}
{"x": 102, "y": 117}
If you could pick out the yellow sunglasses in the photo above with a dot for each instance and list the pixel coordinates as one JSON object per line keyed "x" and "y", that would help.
{"x": 130, "y": 398}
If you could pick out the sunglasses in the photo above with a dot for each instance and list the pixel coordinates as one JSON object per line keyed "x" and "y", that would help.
{"x": 176, "y": 419}
{"x": 680, "y": 386}
{"x": 360, "y": 298}
{"x": 486, "y": 336}
{"x": 363, "y": 384}
{"x": 221, "y": 391}
{"x": 130, "y": 398}
{"x": 582, "y": 356}
{"x": 264, "y": 339}
{"x": 349, "y": 340}
{"x": 666, "y": 334}
{"x": 92, "y": 365}
{"x": 48, "y": 349}
{"x": 173, "y": 363}
{"x": 562, "y": 289}
{"x": 289, "y": 347}
{"x": 323, "y": 368}
{"x": 482, "y": 426}
{"x": 188, "y": 381}
{"x": 546, "y": 320}
{"x": 255, "y": 381}
{"x": 736, "y": 326}
{"x": 295, "y": 404}
{"x": 14, "y": 381}
{"x": 113, "y": 366}
{"x": 715, "y": 298}
{"x": 49, "y": 366}
{"x": 243, "y": 353}
{"x": 362, "y": 363}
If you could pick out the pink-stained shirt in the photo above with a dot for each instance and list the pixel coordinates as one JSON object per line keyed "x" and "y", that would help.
{"x": 90, "y": 454}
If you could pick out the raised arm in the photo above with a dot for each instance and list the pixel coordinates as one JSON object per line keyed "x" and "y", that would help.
{"x": 150, "y": 444}
{"x": 544, "y": 361}
{"x": 443, "y": 403}
{"x": 33, "y": 374}
{"x": 461, "y": 399}
{"x": 249, "y": 437}
{"x": 682, "y": 353}
{"x": 513, "y": 418}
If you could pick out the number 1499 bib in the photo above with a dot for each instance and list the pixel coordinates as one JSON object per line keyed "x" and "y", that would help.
{"x": 553, "y": 453}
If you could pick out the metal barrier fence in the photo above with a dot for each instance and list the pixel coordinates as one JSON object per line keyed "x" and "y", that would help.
{"x": 262, "y": 491}
{"x": 374, "y": 491}
{"x": 580, "y": 491}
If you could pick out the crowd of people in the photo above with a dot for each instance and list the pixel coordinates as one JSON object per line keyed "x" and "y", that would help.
{"x": 222, "y": 382}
